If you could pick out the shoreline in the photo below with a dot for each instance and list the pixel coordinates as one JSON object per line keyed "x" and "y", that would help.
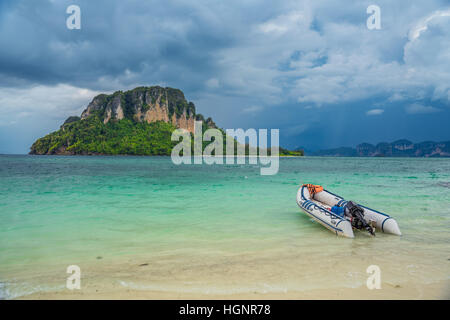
{"x": 439, "y": 290}
{"x": 168, "y": 156}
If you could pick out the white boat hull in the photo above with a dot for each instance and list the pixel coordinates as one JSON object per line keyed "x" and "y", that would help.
{"x": 316, "y": 208}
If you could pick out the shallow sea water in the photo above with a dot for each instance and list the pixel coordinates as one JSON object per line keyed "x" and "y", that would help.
{"x": 147, "y": 224}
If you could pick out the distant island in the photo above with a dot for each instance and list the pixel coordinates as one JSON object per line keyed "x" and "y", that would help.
{"x": 399, "y": 148}
{"x": 134, "y": 122}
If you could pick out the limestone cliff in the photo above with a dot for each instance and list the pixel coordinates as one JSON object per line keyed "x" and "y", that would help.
{"x": 147, "y": 104}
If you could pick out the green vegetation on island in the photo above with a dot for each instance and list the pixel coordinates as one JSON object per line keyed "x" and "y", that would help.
{"x": 91, "y": 136}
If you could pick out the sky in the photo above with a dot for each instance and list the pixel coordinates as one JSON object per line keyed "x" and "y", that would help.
{"x": 312, "y": 69}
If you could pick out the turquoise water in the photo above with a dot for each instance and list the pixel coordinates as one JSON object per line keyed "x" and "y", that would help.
{"x": 213, "y": 229}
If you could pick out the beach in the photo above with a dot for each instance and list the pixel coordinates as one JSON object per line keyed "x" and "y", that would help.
{"x": 144, "y": 228}
{"x": 407, "y": 292}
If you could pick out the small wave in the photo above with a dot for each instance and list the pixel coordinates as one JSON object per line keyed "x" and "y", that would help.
{"x": 3, "y": 293}
{"x": 444, "y": 184}
{"x": 12, "y": 290}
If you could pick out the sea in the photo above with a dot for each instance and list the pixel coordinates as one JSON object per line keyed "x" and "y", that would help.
{"x": 144, "y": 223}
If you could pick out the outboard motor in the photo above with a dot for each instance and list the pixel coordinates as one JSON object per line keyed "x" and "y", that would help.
{"x": 356, "y": 215}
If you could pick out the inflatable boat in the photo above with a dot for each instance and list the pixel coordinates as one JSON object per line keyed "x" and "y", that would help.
{"x": 321, "y": 205}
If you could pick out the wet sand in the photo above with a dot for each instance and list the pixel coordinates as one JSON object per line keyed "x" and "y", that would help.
{"x": 388, "y": 291}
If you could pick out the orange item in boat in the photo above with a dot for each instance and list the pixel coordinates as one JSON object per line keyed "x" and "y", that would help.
{"x": 313, "y": 189}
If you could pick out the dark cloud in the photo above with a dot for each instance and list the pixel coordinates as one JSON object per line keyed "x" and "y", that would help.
{"x": 285, "y": 64}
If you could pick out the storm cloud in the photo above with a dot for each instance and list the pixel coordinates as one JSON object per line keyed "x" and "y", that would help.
{"x": 301, "y": 66}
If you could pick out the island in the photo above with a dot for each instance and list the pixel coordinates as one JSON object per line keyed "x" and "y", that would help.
{"x": 134, "y": 122}
{"x": 399, "y": 148}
